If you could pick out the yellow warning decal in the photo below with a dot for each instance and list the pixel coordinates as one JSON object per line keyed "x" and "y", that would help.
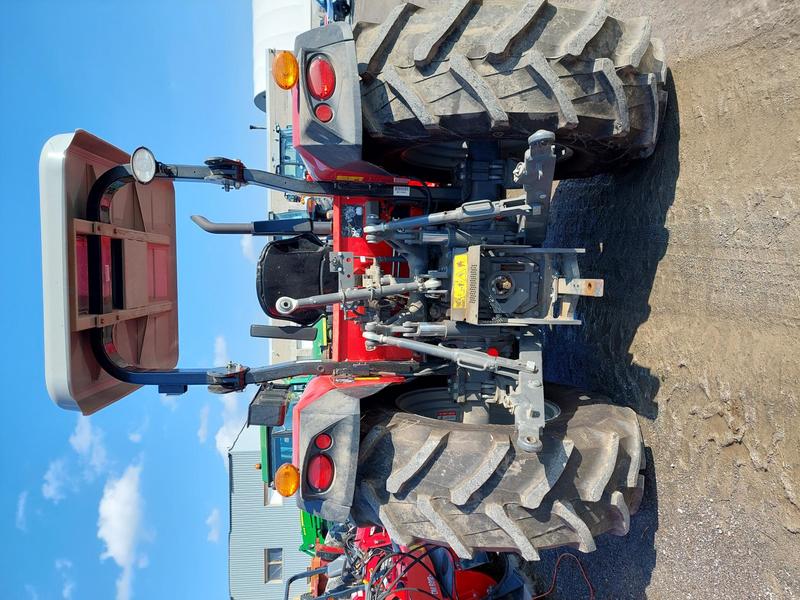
{"x": 349, "y": 178}
{"x": 459, "y": 295}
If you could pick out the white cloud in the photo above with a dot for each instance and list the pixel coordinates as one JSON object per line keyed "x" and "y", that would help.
{"x": 220, "y": 351}
{"x": 87, "y": 441}
{"x": 202, "y": 430}
{"x": 67, "y": 589}
{"x": 248, "y": 248}
{"x": 213, "y": 526}
{"x": 119, "y": 525}
{"x": 21, "y": 518}
{"x": 171, "y": 402}
{"x": 31, "y": 591}
{"x": 64, "y": 566}
{"x": 233, "y": 415}
{"x": 232, "y": 420}
{"x": 136, "y": 435}
{"x": 55, "y": 479}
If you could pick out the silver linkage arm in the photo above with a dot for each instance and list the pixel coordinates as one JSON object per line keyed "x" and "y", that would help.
{"x": 528, "y": 394}
{"x": 468, "y": 212}
{"x": 469, "y": 359}
{"x": 286, "y": 305}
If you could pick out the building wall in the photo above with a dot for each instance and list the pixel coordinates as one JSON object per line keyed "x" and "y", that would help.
{"x": 255, "y": 527}
{"x": 279, "y": 113}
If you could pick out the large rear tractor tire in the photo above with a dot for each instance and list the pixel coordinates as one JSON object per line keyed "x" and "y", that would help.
{"x": 437, "y": 74}
{"x": 470, "y": 487}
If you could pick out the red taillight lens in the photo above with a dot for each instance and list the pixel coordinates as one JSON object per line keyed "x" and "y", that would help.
{"x": 323, "y": 441}
{"x": 321, "y": 78}
{"x": 319, "y": 472}
{"x": 323, "y": 112}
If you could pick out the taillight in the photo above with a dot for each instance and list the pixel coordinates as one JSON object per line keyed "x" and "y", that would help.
{"x": 323, "y": 441}
{"x": 323, "y": 112}
{"x": 319, "y": 472}
{"x": 321, "y": 78}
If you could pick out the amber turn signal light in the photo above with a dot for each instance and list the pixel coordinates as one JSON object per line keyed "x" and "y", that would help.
{"x": 285, "y": 70}
{"x": 287, "y": 479}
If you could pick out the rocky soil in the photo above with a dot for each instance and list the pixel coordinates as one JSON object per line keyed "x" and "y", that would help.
{"x": 698, "y": 330}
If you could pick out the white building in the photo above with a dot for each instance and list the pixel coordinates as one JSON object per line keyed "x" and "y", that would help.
{"x": 265, "y": 537}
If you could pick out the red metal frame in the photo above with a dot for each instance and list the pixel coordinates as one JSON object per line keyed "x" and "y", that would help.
{"x": 318, "y": 387}
{"x": 412, "y": 576}
{"x": 348, "y": 344}
{"x": 406, "y": 574}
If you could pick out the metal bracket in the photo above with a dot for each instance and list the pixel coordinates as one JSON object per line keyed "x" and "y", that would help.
{"x": 268, "y": 407}
{"x": 343, "y": 264}
{"x": 535, "y": 175}
{"x": 283, "y": 332}
{"x": 581, "y": 287}
{"x": 529, "y": 395}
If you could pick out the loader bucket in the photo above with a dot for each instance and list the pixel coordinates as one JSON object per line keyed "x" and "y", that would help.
{"x": 128, "y": 255}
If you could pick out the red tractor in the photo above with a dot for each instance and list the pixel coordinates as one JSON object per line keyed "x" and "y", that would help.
{"x": 430, "y": 416}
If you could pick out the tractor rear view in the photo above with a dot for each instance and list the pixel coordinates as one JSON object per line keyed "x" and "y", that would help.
{"x": 438, "y": 133}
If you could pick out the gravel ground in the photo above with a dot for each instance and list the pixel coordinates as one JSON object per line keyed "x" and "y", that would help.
{"x": 698, "y": 330}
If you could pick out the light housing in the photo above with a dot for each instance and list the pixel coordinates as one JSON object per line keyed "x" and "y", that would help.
{"x": 285, "y": 71}
{"x": 320, "y": 77}
{"x": 319, "y": 472}
{"x": 287, "y": 479}
{"x": 143, "y": 165}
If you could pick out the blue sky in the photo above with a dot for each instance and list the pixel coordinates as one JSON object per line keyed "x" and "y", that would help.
{"x": 131, "y": 502}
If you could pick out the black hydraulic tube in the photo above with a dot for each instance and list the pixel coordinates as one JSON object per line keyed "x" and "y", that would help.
{"x": 114, "y": 366}
{"x": 304, "y": 574}
{"x": 292, "y": 227}
{"x": 342, "y": 592}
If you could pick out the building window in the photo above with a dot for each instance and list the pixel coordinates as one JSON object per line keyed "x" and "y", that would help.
{"x": 273, "y": 565}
